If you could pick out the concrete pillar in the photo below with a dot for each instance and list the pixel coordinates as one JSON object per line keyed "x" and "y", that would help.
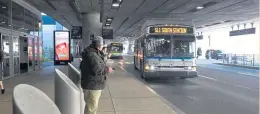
{"x": 91, "y": 25}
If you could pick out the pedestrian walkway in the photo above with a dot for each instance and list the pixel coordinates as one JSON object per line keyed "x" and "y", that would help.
{"x": 124, "y": 93}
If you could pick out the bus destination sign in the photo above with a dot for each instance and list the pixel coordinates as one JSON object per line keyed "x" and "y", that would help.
{"x": 115, "y": 44}
{"x": 173, "y": 30}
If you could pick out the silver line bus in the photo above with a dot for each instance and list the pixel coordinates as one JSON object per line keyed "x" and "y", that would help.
{"x": 166, "y": 51}
{"x": 116, "y": 50}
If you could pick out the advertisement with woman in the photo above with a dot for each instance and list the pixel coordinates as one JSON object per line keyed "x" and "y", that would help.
{"x": 62, "y": 46}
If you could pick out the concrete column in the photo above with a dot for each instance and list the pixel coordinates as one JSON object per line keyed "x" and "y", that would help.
{"x": 91, "y": 25}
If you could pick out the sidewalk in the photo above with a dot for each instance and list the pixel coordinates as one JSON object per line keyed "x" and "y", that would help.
{"x": 124, "y": 93}
{"x": 243, "y": 66}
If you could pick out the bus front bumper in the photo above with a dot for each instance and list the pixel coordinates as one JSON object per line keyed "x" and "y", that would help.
{"x": 181, "y": 74}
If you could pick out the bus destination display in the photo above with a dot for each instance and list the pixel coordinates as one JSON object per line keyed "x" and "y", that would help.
{"x": 115, "y": 44}
{"x": 173, "y": 30}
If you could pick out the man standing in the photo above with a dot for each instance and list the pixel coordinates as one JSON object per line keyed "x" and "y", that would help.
{"x": 93, "y": 74}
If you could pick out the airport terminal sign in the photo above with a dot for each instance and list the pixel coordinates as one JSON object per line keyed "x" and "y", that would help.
{"x": 76, "y": 32}
{"x": 242, "y": 32}
{"x": 62, "y": 46}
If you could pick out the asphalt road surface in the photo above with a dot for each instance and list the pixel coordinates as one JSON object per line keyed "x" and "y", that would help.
{"x": 218, "y": 89}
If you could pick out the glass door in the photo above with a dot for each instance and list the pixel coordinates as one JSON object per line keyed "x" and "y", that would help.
{"x": 16, "y": 54}
{"x": 6, "y": 49}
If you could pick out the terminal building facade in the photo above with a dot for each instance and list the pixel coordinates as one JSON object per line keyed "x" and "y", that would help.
{"x": 21, "y": 37}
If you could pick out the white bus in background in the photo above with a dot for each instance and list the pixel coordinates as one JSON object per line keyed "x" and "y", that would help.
{"x": 166, "y": 51}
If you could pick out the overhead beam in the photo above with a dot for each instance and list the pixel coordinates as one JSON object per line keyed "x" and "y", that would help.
{"x": 165, "y": 15}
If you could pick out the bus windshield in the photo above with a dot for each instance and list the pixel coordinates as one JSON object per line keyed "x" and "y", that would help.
{"x": 116, "y": 48}
{"x": 169, "y": 46}
{"x": 183, "y": 48}
{"x": 158, "y": 45}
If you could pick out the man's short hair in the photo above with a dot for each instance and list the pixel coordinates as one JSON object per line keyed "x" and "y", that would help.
{"x": 97, "y": 41}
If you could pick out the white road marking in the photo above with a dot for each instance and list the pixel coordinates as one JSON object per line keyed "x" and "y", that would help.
{"x": 208, "y": 78}
{"x": 249, "y": 74}
{"x": 226, "y": 82}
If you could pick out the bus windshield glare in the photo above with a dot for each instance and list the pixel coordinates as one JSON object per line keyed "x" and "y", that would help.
{"x": 169, "y": 46}
{"x": 116, "y": 48}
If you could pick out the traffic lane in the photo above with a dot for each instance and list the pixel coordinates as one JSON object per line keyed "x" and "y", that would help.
{"x": 231, "y": 78}
{"x": 239, "y": 70}
{"x": 203, "y": 96}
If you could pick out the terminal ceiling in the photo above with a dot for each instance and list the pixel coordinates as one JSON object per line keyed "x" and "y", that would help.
{"x": 133, "y": 13}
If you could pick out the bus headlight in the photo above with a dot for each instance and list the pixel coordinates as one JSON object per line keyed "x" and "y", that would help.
{"x": 146, "y": 67}
{"x": 152, "y": 67}
{"x": 188, "y": 68}
{"x": 194, "y": 68}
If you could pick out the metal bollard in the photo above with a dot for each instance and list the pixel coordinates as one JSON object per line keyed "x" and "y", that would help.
{"x": 67, "y": 94}
{"x": 30, "y": 100}
{"x": 75, "y": 77}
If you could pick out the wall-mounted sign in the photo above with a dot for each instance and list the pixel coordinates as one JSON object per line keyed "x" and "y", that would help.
{"x": 107, "y": 33}
{"x": 242, "y": 32}
{"x": 199, "y": 37}
{"x": 76, "y": 32}
{"x": 62, "y": 47}
{"x": 172, "y": 30}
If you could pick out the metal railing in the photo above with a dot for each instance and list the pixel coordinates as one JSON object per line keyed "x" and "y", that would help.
{"x": 242, "y": 59}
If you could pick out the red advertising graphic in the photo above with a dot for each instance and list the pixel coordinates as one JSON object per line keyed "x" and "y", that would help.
{"x": 36, "y": 43}
{"x": 30, "y": 49}
{"x": 62, "y": 46}
{"x": 40, "y": 49}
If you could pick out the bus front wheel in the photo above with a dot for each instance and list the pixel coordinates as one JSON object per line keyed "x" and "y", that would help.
{"x": 143, "y": 75}
{"x": 142, "y": 70}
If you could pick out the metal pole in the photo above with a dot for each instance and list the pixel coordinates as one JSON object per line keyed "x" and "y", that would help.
{"x": 25, "y": 97}
{"x": 67, "y": 94}
{"x": 253, "y": 59}
{"x": 244, "y": 58}
{"x": 194, "y": 27}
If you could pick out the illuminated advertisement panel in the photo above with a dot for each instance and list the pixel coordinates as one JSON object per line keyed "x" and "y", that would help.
{"x": 30, "y": 49}
{"x": 62, "y": 46}
{"x": 40, "y": 49}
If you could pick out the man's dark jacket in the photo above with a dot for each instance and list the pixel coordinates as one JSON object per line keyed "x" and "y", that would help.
{"x": 93, "y": 69}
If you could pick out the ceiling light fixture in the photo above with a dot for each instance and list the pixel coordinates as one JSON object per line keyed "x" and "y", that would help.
{"x": 107, "y": 24}
{"x": 4, "y": 7}
{"x": 200, "y": 7}
{"x": 3, "y": 22}
{"x": 115, "y": 5}
{"x": 109, "y": 19}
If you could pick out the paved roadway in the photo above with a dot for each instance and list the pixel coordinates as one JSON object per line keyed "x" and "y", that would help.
{"x": 217, "y": 90}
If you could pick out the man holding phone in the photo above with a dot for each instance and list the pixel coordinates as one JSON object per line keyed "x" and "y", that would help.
{"x": 93, "y": 74}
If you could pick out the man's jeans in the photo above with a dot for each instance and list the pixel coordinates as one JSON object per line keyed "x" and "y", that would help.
{"x": 91, "y": 98}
